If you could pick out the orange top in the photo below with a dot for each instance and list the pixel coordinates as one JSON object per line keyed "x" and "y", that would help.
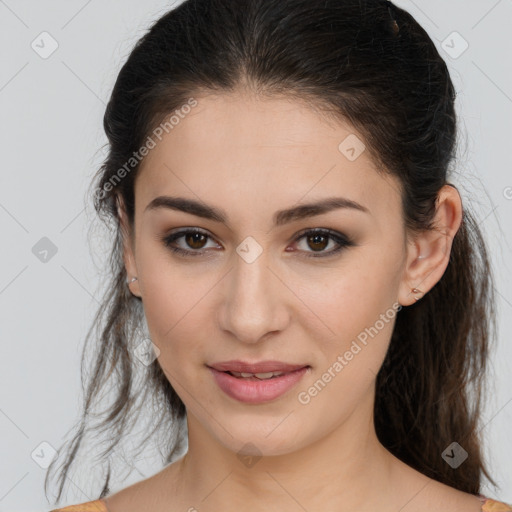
{"x": 90, "y": 506}
{"x": 495, "y": 506}
{"x": 100, "y": 506}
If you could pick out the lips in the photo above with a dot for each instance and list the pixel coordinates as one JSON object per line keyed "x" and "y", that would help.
{"x": 260, "y": 367}
{"x": 255, "y": 383}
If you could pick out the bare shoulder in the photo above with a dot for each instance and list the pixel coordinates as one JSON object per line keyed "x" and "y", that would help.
{"x": 418, "y": 493}
{"x": 434, "y": 495}
{"x": 455, "y": 500}
{"x": 147, "y": 494}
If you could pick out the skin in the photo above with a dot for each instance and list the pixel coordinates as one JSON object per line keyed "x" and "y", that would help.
{"x": 251, "y": 157}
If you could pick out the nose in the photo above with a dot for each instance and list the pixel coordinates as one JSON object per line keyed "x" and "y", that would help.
{"x": 254, "y": 301}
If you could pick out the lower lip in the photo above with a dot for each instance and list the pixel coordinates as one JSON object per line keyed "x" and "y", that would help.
{"x": 256, "y": 392}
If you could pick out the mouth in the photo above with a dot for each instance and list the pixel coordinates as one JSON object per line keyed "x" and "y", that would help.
{"x": 256, "y": 376}
{"x": 238, "y": 367}
{"x": 257, "y": 382}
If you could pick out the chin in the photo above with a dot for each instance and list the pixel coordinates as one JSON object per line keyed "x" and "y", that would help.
{"x": 263, "y": 440}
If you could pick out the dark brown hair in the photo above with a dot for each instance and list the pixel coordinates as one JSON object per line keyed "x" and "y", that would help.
{"x": 365, "y": 61}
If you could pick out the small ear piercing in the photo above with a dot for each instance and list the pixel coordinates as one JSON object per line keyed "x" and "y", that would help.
{"x": 128, "y": 281}
{"x": 416, "y": 290}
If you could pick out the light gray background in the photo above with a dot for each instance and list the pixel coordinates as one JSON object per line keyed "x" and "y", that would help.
{"x": 51, "y": 139}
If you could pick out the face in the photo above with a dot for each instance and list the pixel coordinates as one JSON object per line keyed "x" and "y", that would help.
{"x": 256, "y": 286}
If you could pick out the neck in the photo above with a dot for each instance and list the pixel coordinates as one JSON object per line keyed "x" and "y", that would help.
{"x": 346, "y": 470}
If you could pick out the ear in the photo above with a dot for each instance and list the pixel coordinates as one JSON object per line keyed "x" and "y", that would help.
{"x": 428, "y": 253}
{"x": 128, "y": 247}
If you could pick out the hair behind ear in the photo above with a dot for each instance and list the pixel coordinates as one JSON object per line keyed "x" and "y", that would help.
{"x": 429, "y": 389}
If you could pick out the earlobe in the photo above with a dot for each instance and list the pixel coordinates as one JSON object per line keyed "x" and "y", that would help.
{"x": 129, "y": 282}
{"x": 429, "y": 251}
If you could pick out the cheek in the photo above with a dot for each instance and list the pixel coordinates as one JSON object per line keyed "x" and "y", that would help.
{"x": 173, "y": 318}
{"x": 348, "y": 363}
{"x": 175, "y": 298}
{"x": 345, "y": 300}
{"x": 356, "y": 333}
{"x": 355, "y": 310}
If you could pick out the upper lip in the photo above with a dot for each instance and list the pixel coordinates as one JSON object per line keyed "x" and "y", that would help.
{"x": 259, "y": 367}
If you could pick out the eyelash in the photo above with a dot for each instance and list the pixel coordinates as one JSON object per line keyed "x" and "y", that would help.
{"x": 342, "y": 240}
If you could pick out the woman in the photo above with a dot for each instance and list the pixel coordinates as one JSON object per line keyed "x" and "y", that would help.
{"x": 319, "y": 301}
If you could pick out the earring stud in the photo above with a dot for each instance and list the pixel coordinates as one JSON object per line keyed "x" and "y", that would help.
{"x": 128, "y": 281}
{"x": 416, "y": 290}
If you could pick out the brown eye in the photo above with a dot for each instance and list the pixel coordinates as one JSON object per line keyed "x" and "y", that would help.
{"x": 318, "y": 242}
{"x": 191, "y": 242}
{"x": 195, "y": 240}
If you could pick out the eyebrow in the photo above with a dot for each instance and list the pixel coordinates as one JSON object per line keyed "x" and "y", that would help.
{"x": 280, "y": 218}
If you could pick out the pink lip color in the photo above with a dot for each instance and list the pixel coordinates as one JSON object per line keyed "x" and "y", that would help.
{"x": 255, "y": 392}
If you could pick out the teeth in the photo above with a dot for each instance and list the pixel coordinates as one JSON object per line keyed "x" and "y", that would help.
{"x": 267, "y": 375}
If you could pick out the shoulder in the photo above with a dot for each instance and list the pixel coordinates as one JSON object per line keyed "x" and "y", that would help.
{"x": 435, "y": 495}
{"x": 90, "y": 506}
{"x": 491, "y": 505}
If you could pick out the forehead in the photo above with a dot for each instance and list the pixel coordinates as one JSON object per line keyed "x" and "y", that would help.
{"x": 238, "y": 150}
